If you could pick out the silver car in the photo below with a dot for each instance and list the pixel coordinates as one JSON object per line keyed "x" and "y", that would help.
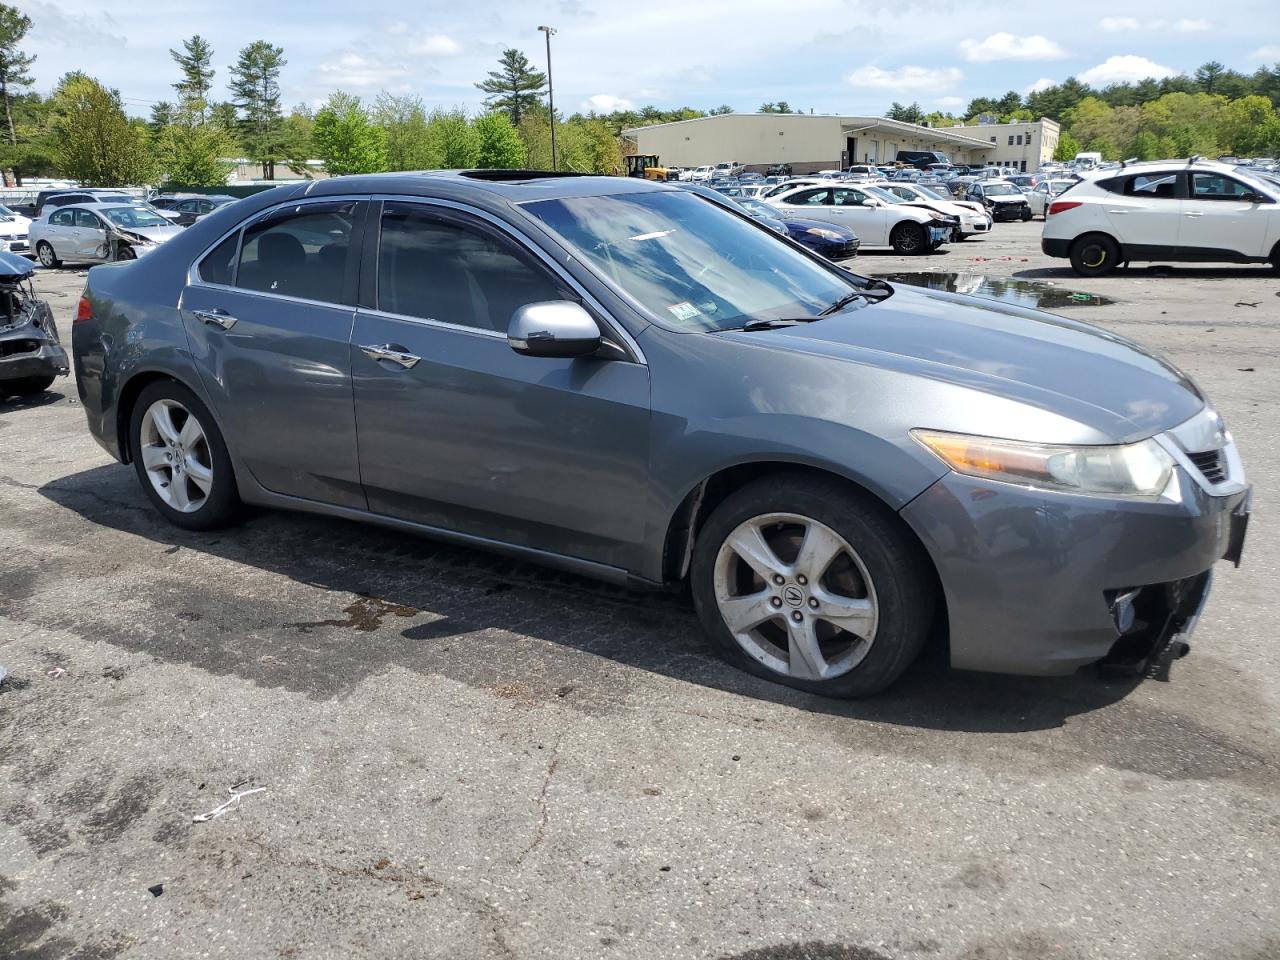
{"x": 621, "y": 378}
{"x": 98, "y": 233}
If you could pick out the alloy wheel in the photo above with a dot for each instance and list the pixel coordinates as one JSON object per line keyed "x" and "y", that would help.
{"x": 796, "y": 596}
{"x": 176, "y": 455}
{"x": 45, "y": 253}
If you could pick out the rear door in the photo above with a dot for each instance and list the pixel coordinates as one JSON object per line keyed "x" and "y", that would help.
{"x": 268, "y": 313}
{"x": 1145, "y": 211}
{"x": 464, "y": 433}
{"x": 1220, "y": 214}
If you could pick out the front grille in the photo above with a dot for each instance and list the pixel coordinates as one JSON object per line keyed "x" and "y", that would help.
{"x": 1211, "y": 464}
{"x": 10, "y": 348}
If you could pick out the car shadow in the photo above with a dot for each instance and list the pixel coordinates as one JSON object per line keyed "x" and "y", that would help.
{"x": 43, "y": 399}
{"x": 440, "y": 609}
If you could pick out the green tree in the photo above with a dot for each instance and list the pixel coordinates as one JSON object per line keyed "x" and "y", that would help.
{"x": 1068, "y": 147}
{"x": 195, "y": 61}
{"x": 452, "y": 142}
{"x": 162, "y": 114}
{"x": 911, "y": 114}
{"x": 1208, "y": 75}
{"x": 1146, "y": 146}
{"x": 15, "y": 66}
{"x": 347, "y": 139}
{"x": 780, "y": 107}
{"x": 720, "y": 110}
{"x": 255, "y": 90}
{"x": 514, "y": 87}
{"x": 296, "y": 144}
{"x": 192, "y": 153}
{"x": 1248, "y": 126}
{"x": 404, "y": 120}
{"x": 499, "y": 143}
{"x": 92, "y": 139}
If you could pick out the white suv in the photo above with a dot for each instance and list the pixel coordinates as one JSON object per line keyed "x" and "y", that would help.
{"x": 1169, "y": 210}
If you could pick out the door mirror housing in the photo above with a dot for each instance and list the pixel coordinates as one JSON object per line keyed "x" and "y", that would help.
{"x": 553, "y": 328}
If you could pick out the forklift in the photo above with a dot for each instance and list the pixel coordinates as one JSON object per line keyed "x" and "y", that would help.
{"x": 646, "y": 165}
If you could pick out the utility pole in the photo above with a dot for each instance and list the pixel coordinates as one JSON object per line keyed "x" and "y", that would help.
{"x": 551, "y": 96}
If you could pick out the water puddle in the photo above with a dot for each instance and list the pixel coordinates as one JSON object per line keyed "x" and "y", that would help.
{"x": 1024, "y": 293}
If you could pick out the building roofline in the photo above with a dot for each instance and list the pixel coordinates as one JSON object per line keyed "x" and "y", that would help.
{"x": 903, "y": 125}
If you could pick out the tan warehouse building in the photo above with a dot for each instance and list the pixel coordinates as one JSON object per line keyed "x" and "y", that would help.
{"x": 811, "y": 142}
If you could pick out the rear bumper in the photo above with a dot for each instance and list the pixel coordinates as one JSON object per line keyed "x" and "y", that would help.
{"x": 1030, "y": 576}
{"x": 1054, "y": 247}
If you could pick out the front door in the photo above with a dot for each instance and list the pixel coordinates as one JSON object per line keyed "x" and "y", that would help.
{"x": 1220, "y": 214}
{"x": 268, "y": 317}
{"x": 863, "y": 214}
{"x": 463, "y": 433}
{"x": 91, "y": 237}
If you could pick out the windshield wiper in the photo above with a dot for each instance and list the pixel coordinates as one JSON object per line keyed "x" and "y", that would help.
{"x": 873, "y": 292}
{"x": 774, "y": 323}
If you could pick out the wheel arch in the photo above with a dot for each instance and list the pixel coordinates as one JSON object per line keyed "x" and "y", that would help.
{"x": 1080, "y": 237}
{"x": 132, "y": 388}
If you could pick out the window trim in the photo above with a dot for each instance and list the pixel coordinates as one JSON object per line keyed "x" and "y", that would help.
{"x": 619, "y": 333}
{"x": 1191, "y": 187}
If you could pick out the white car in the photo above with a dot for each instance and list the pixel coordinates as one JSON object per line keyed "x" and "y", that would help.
{"x": 730, "y": 169}
{"x": 14, "y": 230}
{"x": 878, "y": 222}
{"x": 98, "y": 232}
{"x": 1182, "y": 211}
{"x": 974, "y": 219}
{"x": 1043, "y": 193}
{"x": 702, "y": 173}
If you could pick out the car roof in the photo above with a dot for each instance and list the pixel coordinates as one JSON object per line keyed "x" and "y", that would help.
{"x": 513, "y": 186}
{"x": 99, "y": 205}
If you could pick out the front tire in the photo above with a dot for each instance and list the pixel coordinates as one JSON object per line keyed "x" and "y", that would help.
{"x": 181, "y": 459}
{"x": 1094, "y": 255}
{"x": 44, "y": 253}
{"x": 908, "y": 239}
{"x": 813, "y": 584}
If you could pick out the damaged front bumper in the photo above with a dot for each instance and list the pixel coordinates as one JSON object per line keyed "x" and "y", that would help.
{"x": 29, "y": 344}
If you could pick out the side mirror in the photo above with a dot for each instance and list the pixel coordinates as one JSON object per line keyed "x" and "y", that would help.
{"x": 553, "y": 328}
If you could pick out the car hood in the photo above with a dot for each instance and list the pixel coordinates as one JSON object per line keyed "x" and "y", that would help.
{"x": 802, "y": 224}
{"x": 14, "y": 268}
{"x": 1071, "y": 370}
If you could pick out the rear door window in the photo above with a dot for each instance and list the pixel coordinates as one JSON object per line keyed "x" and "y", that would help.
{"x": 1160, "y": 186}
{"x": 301, "y": 251}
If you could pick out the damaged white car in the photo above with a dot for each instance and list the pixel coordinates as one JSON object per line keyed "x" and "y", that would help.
{"x": 98, "y": 233}
{"x": 31, "y": 356}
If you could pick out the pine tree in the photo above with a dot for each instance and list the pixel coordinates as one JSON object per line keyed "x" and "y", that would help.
{"x": 14, "y": 64}
{"x": 514, "y": 87}
{"x": 255, "y": 88}
{"x": 197, "y": 75}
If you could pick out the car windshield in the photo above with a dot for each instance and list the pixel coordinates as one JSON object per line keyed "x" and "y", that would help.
{"x": 883, "y": 194}
{"x": 935, "y": 193}
{"x": 1001, "y": 190}
{"x": 1057, "y": 186}
{"x": 692, "y": 264}
{"x": 134, "y": 217}
{"x": 758, "y": 209}
{"x": 6, "y": 212}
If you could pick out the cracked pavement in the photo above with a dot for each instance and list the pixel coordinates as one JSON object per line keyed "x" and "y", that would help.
{"x": 465, "y": 756}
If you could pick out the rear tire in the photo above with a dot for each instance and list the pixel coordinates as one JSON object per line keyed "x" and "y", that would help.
{"x": 877, "y": 581}
{"x": 48, "y": 259}
{"x": 181, "y": 459}
{"x": 1094, "y": 255}
{"x": 26, "y": 386}
{"x": 909, "y": 239}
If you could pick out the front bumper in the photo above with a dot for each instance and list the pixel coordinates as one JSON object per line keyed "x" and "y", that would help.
{"x": 1009, "y": 211}
{"x": 42, "y": 358}
{"x": 1030, "y": 576}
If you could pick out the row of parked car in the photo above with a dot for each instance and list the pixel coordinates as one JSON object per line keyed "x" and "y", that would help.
{"x": 98, "y": 225}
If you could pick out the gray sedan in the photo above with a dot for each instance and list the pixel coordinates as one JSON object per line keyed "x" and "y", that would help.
{"x": 619, "y": 378}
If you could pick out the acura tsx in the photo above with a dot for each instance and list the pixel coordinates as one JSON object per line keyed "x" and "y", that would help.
{"x": 617, "y": 377}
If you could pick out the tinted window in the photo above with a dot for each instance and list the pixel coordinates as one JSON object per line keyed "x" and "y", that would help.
{"x": 1214, "y": 186}
{"x": 811, "y": 198}
{"x": 436, "y": 268}
{"x": 1162, "y": 185}
{"x": 220, "y": 265}
{"x": 63, "y": 218}
{"x": 299, "y": 252}
{"x": 188, "y": 206}
{"x": 86, "y": 219}
{"x": 850, "y": 198}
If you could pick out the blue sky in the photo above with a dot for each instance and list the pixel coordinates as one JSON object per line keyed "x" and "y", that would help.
{"x": 833, "y": 56}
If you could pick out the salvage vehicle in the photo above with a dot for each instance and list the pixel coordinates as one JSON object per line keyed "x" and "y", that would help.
{"x": 621, "y": 378}
{"x": 31, "y": 356}
{"x": 974, "y": 220}
{"x": 99, "y": 232}
{"x": 878, "y": 220}
{"x": 1003, "y": 199}
{"x": 1170, "y": 210}
{"x": 1044, "y": 192}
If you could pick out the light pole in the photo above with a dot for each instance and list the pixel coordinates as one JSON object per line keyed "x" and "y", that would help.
{"x": 551, "y": 96}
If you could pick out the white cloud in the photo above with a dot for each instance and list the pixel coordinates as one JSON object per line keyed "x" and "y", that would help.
{"x": 1118, "y": 24}
{"x": 435, "y": 45}
{"x": 904, "y": 78}
{"x": 353, "y": 71}
{"x": 1192, "y": 26}
{"x": 1042, "y": 84}
{"x": 1124, "y": 69}
{"x": 948, "y": 102}
{"x": 607, "y": 103}
{"x": 1006, "y": 46}
{"x": 1267, "y": 53}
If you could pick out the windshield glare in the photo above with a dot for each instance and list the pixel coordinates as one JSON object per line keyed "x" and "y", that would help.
{"x": 133, "y": 217}
{"x": 886, "y": 195}
{"x": 934, "y": 193}
{"x": 1002, "y": 190}
{"x": 692, "y": 264}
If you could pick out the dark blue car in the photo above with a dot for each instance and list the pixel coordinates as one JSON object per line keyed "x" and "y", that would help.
{"x": 825, "y": 239}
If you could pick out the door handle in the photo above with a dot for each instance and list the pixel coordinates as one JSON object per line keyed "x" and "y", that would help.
{"x": 216, "y": 318}
{"x": 1189, "y": 213}
{"x": 1117, "y": 211}
{"x": 393, "y": 352}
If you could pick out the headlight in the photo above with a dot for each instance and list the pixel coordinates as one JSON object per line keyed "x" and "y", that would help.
{"x": 935, "y": 215}
{"x": 825, "y": 234}
{"x": 1139, "y": 469}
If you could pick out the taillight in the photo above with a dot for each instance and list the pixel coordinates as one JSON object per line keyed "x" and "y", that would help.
{"x": 1062, "y": 206}
{"x": 84, "y": 311}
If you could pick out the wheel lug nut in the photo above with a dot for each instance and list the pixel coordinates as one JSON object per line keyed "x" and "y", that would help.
{"x": 776, "y": 601}
{"x": 777, "y": 578}
{"x": 797, "y": 616}
{"x": 802, "y": 579}
{"x": 813, "y": 603}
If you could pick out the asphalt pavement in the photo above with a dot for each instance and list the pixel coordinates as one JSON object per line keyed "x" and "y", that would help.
{"x": 468, "y": 757}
